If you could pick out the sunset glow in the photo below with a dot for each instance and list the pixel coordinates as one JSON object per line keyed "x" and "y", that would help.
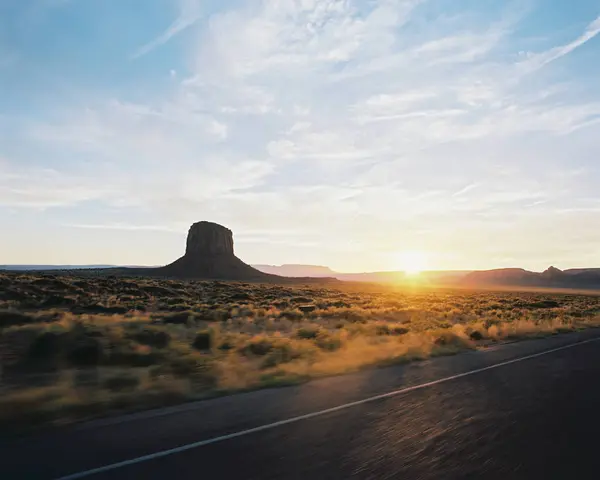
{"x": 412, "y": 262}
{"x": 337, "y": 133}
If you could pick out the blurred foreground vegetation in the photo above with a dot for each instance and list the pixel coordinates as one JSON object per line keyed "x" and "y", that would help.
{"x": 77, "y": 347}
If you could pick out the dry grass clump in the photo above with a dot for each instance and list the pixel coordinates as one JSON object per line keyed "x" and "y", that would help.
{"x": 78, "y": 347}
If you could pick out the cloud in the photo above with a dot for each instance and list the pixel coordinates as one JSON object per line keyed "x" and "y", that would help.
{"x": 536, "y": 61}
{"x": 42, "y": 188}
{"x": 163, "y": 189}
{"x": 465, "y": 189}
{"x": 359, "y": 125}
{"x": 189, "y": 13}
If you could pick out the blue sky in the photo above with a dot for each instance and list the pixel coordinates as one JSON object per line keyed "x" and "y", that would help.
{"x": 334, "y": 132}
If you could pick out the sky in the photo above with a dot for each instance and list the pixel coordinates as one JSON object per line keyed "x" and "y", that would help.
{"x": 332, "y": 132}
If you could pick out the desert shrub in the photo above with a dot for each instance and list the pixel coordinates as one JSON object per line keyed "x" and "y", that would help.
{"x": 564, "y": 329}
{"x": 178, "y": 307}
{"x": 476, "y": 335}
{"x": 85, "y": 351}
{"x": 187, "y": 365}
{"x": 47, "y": 346}
{"x": 152, "y": 337}
{"x": 226, "y": 341}
{"x": 49, "y": 317}
{"x": 175, "y": 301}
{"x": 203, "y": 340}
{"x": 329, "y": 341}
{"x": 301, "y": 300}
{"x": 10, "y": 294}
{"x": 57, "y": 301}
{"x": 226, "y": 345}
{"x": 97, "y": 308}
{"x": 494, "y": 332}
{"x": 292, "y": 314}
{"x": 382, "y": 329}
{"x": 354, "y": 316}
{"x": 86, "y": 377}
{"x": 247, "y": 312}
{"x": 488, "y": 322}
{"x": 307, "y": 308}
{"x": 121, "y": 382}
{"x": 284, "y": 350}
{"x": 278, "y": 354}
{"x": 340, "y": 304}
{"x": 544, "y": 304}
{"x": 180, "y": 318}
{"x": 449, "y": 339}
{"x": 308, "y": 333}
{"x": 29, "y": 405}
{"x": 241, "y": 296}
{"x": 220, "y": 314}
{"x": 128, "y": 353}
{"x": 9, "y": 318}
{"x": 158, "y": 291}
{"x": 259, "y": 346}
{"x": 18, "y": 341}
{"x": 397, "y": 330}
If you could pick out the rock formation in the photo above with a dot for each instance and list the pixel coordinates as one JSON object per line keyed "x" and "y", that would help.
{"x": 209, "y": 255}
{"x": 206, "y": 238}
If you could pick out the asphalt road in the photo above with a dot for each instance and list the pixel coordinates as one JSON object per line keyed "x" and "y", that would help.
{"x": 528, "y": 410}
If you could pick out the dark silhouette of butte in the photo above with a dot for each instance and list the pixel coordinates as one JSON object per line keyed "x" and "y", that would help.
{"x": 209, "y": 254}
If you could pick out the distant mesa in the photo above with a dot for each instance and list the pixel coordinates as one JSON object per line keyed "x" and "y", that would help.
{"x": 297, "y": 270}
{"x": 208, "y": 239}
{"x": 551, "y": 277}
{"x": 209, "y": 254}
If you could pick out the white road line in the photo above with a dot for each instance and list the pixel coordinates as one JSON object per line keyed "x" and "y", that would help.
{"x": 299, "y": 418}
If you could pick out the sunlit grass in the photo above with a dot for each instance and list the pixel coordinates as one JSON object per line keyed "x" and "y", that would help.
{"x": 174, "y": 341}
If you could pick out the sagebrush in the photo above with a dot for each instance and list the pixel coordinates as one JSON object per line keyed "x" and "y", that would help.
{"x": 79, "y": 346}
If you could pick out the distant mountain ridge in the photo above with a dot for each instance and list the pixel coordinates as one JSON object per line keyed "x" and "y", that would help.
{"x": 296, "y": 270}
{"x": 586, "y": 278}
{"x": 552, "y": 277}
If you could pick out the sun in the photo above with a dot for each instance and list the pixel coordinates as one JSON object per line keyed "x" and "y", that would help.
{"x": 411, "y": 262}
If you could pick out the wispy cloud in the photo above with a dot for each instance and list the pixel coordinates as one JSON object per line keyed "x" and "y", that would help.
{"x": 538, "y": 60}
{"x": 352, "y": 124}
{"x": 465, "y": 189}
{"x": 190, "y": 12}
{"x": 42, "y": 188}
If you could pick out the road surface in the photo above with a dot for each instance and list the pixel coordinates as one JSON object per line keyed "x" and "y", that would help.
{"x": 527, "y": 410}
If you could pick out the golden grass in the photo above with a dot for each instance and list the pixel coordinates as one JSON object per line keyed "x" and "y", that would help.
{"x": 191, "y": 339}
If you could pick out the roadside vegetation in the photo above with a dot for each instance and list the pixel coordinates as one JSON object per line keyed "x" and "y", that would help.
{"x": 77, "y": 347}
